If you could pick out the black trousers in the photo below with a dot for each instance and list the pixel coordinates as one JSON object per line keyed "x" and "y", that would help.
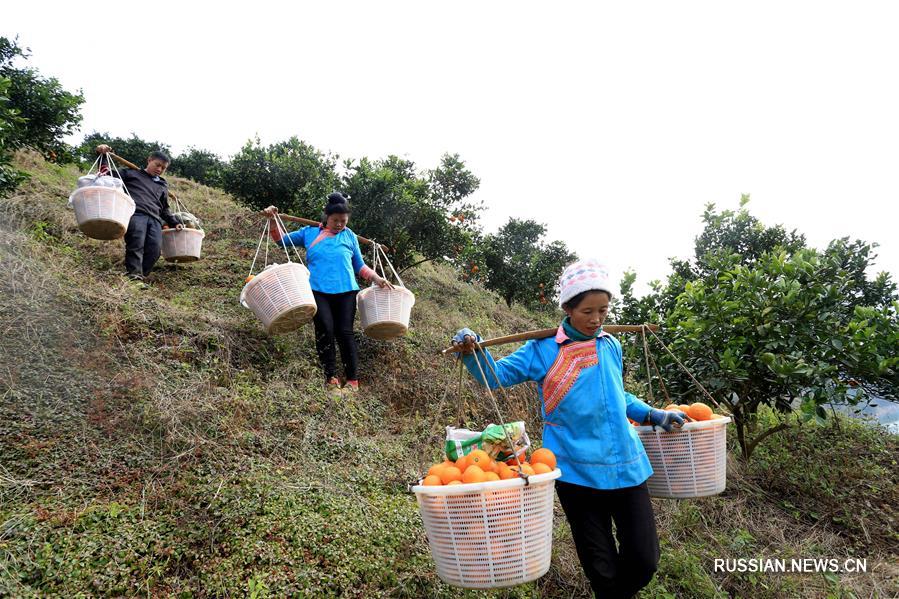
{"x": 143, "y": 244}
{"x": 334, "y": 322}
{"x": 614, "y": 572}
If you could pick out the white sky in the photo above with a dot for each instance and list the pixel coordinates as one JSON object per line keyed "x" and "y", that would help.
{"x": 614, "y": 123}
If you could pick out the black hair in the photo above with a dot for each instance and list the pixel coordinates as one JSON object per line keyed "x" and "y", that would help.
{"x": 337, "y": 204}
{"x": 575, "y": 301}
{"x": 160, "y": 155}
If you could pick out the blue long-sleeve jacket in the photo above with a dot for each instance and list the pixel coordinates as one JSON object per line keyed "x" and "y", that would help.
{"x": 333, "y": 261}
{"x": 584, "y": 406}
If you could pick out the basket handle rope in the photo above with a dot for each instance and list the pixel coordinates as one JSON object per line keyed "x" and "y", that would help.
{"x": 379, "y": 257}
{"x": 262, "y": 238}
{"x": 384, "y": 257}
{"x": 110, "y": 165}
{"x": 285, "y": 235}
{"x": 479, "y": 347}
{"x": 684, "y": 368}
{"x": 436, "y": 436}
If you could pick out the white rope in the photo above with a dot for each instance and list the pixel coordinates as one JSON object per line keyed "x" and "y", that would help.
{"x": 386, "y": 259}
{"x": 94, "y": 165}
{"x": 684, "y": 368}
{"x": 279, "y": 224}
{"x": 376, "y": 258}
{"x": 112, "y": 164}
{"x": 502, "y": 421}
{"x": 258, "y": 246}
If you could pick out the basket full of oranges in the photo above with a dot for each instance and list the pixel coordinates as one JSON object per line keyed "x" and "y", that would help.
{"x": 691, "y": 461}
{"x": 488, "y": 522}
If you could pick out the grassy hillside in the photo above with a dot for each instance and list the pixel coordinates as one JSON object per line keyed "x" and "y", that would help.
{"x": 157, "y": 443}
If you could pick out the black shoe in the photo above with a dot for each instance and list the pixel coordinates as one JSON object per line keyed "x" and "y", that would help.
{"x": 137, "y": 281}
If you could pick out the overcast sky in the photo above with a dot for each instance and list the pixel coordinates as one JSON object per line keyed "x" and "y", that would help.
{"x": 613, "y": 123}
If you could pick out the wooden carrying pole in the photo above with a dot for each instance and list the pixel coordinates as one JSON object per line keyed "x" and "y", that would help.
{"x": 544, "y": 333}
{"x": 287, "y": 217}
{"x": 130, "y": 164}
{"x": 315, "y": 223}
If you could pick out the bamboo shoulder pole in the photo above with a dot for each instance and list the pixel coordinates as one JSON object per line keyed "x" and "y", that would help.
{"x": 544, "y": 333}
{"x": 130, "y": 164}
{"x": 287, "y": 217}
{"x": 315, "y": 223}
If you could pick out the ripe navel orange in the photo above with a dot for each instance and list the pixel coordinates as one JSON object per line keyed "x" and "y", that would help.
{"x": 699, "y": 411}
{"x": 431, "y": 480}
{"x": 541, "y": 468}
{"x": 473, "y": 474}
{"x": 505, "y": 472}
{"x": 449, "y": 474}
{"x": 544, "y": 456}
{"x": 479, "y": 458}
{"x": 462, "y": 463}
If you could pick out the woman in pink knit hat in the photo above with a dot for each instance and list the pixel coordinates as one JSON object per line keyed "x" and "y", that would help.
{"x": 585, "y": 410}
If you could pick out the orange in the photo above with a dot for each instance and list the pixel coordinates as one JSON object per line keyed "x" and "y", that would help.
{"x": 435, "y": 469}
{"x": 491, "y": 476}
{"x": 454, "y": 482}
{"x": 541, "y": 468}
{"x": 473, "y": 474}
{"x": 544, "y": 456}
{"x": 431, "y": 480}
{"x": 462, "y": 463}
{"x": 449, "y": 474}
{"x": 525, "y": 467}
{"x": 505, "y": 472}
{"x": 699, "y": 411}
{"x": 673, "y": 406}
{"x": 249, "y": 278}
{"x": 479, "y": 458}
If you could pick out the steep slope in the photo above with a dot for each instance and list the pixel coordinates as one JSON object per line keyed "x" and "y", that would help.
{"x": 158, "y": 443}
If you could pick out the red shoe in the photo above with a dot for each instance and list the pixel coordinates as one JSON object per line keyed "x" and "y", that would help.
{"x": 333, "y": 384}
{"x": 352, "y": 385}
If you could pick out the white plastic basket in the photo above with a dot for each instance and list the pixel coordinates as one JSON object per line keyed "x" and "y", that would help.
{"x": 182, "y": 245}
{"x": 490, "y": 535}
{"x": 102, "y": 212}
{"x": 690, "y": 462}
{"x": 281, "y": 297}
{"x": 385, "y": 312}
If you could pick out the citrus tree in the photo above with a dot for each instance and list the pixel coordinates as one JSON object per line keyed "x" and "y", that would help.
{"x": 46, "y": 112}
{"x": 421, "y": 215}
{"x": 292, "y": 175}
{"x": 520, "y": 266}
{"x": 789, "y": 327}
{"x": 10, "y": 177}
{"x": 199, "y": 165}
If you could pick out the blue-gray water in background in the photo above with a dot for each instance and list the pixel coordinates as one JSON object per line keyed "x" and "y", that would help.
{"x": 884, "y": 411}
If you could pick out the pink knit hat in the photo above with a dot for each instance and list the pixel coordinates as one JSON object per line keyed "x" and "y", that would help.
{"x": 584, "y": 275}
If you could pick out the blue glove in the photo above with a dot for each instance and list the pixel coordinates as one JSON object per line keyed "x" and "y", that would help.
{"x": 667, "y": 419}
{"x": 463, "y": 333}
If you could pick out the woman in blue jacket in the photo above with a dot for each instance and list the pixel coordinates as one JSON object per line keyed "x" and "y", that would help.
{"x": 334, "y": 259}
{"x": 585, "y": 410}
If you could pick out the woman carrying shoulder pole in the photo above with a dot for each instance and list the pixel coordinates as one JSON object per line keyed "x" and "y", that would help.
{"x": 585, "y": 410}
{"x": 334, "y": 259}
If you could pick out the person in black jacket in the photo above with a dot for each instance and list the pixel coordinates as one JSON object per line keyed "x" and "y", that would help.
{"x": 150, "y": 192}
